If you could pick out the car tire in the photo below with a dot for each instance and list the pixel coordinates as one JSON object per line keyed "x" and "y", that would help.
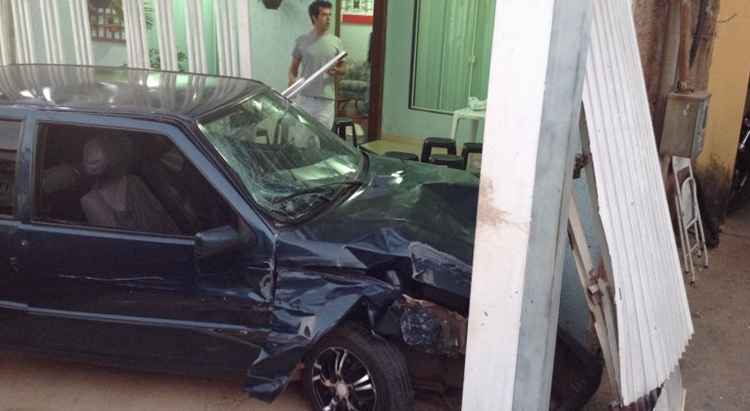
{"x": 373, "y": 376}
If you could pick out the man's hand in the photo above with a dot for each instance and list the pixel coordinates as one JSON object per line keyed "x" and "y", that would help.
{"x": 294, "y": 70}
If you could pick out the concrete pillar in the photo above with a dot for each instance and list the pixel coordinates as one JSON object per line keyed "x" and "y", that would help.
{"x": 537, "y": 70}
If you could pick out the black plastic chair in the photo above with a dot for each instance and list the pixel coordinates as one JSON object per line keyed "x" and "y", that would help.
{"x": 448, "y": 160}
{"x": 340, "y": 124}
{"x": 439, "y": 142}
{"x": 470, "y": 148}
{"x": 402, "y": 155}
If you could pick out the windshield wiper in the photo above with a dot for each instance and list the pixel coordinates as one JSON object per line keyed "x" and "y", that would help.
{"x": 318, "y": 190}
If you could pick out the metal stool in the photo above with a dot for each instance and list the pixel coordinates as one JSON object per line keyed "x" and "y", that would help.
{"x": 448, "y": 160}
{"x": 340, "y": 124}
{"x": 402, "y": 156}
{"x": 469, "y": 149}
{"x": 432, "y": 142}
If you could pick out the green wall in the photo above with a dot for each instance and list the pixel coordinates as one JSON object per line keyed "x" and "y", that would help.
{"x": 356, "y": 39}
{"x": 398, "y": 119}
{"x": 272, "y": 36}
{"x": 273, "y": 33}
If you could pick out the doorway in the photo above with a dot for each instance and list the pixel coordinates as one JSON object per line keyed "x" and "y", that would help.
{"x": 739, "y": 194}
{"x": 361, "y": 26}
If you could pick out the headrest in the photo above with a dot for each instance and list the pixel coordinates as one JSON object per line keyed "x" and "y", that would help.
{"x": 106, "y": 156}
{"x": 59, "y": 178}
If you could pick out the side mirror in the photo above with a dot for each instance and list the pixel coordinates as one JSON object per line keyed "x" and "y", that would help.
{"x": 218, "y": 241}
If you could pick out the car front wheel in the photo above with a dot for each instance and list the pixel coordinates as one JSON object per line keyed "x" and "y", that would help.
{"x": 352, "y": 370}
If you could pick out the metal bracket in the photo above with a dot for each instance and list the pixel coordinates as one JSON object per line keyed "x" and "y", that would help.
{"x": 582, "y": 160}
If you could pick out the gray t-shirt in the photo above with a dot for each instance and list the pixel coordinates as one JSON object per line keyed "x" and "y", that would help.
{"x": 315, "y": 52}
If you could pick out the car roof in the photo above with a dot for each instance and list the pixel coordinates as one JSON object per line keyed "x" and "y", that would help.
{"x": 119, "y": 90}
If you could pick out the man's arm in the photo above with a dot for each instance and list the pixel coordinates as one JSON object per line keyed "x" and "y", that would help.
{"x": 294, "y": 70}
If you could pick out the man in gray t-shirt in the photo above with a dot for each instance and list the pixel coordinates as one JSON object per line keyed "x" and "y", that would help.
{"x": 312, "y": 51}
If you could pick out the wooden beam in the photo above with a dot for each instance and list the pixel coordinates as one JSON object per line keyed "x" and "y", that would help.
{"x": 377, "y": 72}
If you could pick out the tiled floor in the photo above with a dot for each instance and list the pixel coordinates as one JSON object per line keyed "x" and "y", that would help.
{"x": 385, "y": 144}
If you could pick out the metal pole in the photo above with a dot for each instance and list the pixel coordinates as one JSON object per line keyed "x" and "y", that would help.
{"x": 531, "y": 125}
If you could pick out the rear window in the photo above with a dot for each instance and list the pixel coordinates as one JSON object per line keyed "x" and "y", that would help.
{"x": 10, "y": 132}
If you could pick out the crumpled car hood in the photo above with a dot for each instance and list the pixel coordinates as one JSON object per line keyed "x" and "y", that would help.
{"x": 407, "y": 211}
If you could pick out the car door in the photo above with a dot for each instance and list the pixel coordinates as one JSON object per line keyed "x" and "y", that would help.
{"x": 141, "y": 295}
{"x": 14, "y": 327}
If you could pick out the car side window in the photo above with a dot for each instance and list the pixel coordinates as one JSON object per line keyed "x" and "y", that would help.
{"x": 10, "y": 135}
{"x": 122, "y": 180}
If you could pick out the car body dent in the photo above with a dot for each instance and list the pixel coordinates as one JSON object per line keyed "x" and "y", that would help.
{"x": 370, "y": 256}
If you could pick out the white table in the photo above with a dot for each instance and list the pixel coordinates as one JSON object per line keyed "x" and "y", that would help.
{"x": 471, "y": 115}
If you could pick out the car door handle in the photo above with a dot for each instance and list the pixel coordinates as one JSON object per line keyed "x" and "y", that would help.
{"x": 25, "y": 243}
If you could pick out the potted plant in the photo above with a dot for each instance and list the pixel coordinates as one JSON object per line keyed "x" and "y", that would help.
{"x": 272, "y": 4}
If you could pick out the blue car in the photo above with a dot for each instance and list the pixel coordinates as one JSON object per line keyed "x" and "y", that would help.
{"x": 197, "y": 224}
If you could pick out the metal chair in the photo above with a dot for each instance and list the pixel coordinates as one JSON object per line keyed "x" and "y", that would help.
{"x": 340, "y": 125}
{"x": 692, "y": 236}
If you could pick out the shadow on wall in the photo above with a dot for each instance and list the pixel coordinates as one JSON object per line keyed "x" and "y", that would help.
{"x": 716, "y": 182}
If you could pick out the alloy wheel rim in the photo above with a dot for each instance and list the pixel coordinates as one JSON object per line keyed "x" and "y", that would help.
{"x": 342, "y": 382}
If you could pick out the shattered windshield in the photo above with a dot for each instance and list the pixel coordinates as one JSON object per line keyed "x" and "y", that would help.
{"x": 288, "y": 162}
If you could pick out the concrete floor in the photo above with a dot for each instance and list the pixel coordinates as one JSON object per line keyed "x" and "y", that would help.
{"x": 31, "y": 383}
{"x": 716, "y": 366}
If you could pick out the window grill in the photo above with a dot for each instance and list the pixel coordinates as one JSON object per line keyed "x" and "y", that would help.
{"x": 106, "y": 25}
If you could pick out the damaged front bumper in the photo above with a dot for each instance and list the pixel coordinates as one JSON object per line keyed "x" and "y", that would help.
{"x": 437, "y": 338}
{"x": 425, "y": 326}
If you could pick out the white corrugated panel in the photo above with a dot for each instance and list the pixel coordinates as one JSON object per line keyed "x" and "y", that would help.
{"x": 653, "y": 317}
